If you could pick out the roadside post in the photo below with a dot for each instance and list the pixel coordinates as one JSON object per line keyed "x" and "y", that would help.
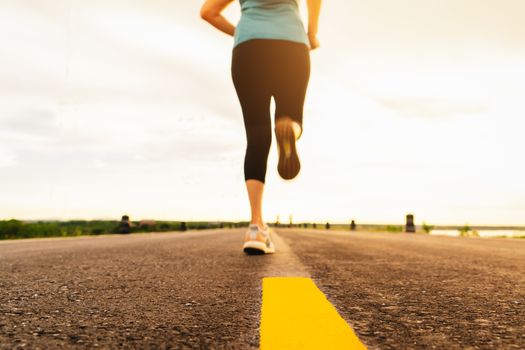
{"x": 410, "y": 227}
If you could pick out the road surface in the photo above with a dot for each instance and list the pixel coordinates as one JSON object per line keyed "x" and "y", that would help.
{"x": 198, "y": 290}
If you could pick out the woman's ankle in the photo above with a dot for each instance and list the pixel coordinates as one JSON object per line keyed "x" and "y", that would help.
{"x": 296, "y": 127}
{"x": 258, "y": 222}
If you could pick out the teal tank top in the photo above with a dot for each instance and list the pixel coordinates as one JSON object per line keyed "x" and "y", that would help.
{"x": 270, "y": 19}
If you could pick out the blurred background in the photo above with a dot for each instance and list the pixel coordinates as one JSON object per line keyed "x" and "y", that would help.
{"x": 111, "y": 107}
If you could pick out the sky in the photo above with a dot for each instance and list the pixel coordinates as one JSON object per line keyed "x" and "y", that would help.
{"x": 127, "y": 107}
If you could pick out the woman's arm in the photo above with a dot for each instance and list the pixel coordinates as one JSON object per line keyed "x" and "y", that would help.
{"x": 211, "y": 12}
{"x": 314, "y": 8}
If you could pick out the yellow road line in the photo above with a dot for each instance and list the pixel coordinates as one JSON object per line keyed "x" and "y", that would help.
{"x": 296, "y": 315}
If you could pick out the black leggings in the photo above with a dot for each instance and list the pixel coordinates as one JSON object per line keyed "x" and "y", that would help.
{"x": 262, "y": 68}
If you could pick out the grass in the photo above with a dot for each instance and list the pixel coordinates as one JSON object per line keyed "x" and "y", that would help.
{"x": 16, "y": 229}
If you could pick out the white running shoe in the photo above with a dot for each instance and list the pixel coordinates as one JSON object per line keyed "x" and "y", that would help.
{"x": 258, "y": 241}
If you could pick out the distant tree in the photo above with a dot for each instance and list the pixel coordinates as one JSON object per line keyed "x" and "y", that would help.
{"x": 327, "y": 226}
{"x": 465, "y": 231}
{"x": 427, "y": 228}
{"x": 10, "y": 229}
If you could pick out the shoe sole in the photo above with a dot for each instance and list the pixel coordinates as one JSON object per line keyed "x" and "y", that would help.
{"x": 257, "y": 248}
{"x": 289, "y": 164}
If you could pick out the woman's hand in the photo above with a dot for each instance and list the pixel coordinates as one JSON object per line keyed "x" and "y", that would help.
{"x": 314, "y": 42}
{"x": 314, "y": 8}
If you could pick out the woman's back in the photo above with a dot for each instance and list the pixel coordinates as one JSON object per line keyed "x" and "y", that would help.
{"x": 270, "y": 19}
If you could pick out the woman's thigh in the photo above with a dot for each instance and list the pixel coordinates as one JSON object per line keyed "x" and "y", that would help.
{"x": 290, "y": 80}
{"x": 249, "y": 71}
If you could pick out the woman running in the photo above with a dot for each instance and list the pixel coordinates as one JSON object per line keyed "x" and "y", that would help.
{"x": 270, "y": 58}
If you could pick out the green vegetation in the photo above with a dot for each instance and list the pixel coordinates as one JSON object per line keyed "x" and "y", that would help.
{"x": 15, "y": 229}
{"x": 427, "y": 228}
{"x": 394, "y": 229}
{"x": 347, "y": 227}
{"x": 467, "y": 231}
{"x": 464, "y": 231}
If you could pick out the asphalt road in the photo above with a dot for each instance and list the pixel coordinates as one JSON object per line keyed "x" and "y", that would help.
{"x": 198, "y": 290}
